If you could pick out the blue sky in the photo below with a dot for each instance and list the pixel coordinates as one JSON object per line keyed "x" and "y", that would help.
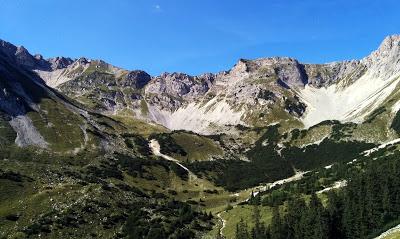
{"x": 198, "y": 36}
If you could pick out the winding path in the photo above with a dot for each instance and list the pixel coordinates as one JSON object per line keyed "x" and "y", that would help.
{"x": 155, "y": 148}
{"x": 223, "y": 224}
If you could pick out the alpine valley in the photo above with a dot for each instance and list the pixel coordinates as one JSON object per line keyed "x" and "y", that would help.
{"x": 272, "y": 148}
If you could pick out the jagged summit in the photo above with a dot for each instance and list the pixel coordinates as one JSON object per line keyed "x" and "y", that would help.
{"x": 389, "y": 42}
{"x": 390, "y": 46}
{"x": 18, "y": 54}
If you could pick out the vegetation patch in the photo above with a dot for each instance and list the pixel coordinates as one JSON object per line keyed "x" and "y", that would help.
{"x": 7, "y": 134}
{"x": 198, "y": 148}
{"x": 327, "y": 152}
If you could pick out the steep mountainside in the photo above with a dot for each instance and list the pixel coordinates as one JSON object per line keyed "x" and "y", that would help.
{"x": 68, "y": 172}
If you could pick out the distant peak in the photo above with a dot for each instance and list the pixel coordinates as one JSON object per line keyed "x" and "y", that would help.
{"x": 21, "y": 49}
{"x": 38, "y": 57}
{"x": 389, "y": 42}
{"x": 173, "y": 75}
{"x": 6, "y": 44}
{"x": 392, "y": 38}
{"x": 240, "y": 67}
{"x": 8, "y": 48}
{"x": 389, "y": 49}
{"x": 83, "y": 60}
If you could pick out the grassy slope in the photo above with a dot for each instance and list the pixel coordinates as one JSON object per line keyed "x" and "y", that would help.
{"x": 7, "y": 134}
{"x": 58, "y": 125}
{"x": 138, "y": 126}
{"x": 312, "y": 135}
{"x": 65, "y": 186}
{"x": 198, "y": 148}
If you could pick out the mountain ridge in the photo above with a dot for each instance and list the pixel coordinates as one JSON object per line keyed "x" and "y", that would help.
{"x": 63, "y": 62}
{"x": 306, "y": 93}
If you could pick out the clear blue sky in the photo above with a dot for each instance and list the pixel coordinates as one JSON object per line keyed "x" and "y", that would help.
{"x": 196, "y": 36}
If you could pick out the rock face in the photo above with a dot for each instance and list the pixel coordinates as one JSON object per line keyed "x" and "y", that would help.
{"x": 180, "y": 85}
{"x": 254, "y": 92}
{"x": 170, "y": 91}
{"x": 136, "y": 79}
{"x": 327, "y": 74}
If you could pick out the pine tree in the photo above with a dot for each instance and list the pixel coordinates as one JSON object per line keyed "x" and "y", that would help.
{"x": 276, "y": 224}
{"x": 254, "y": 199}
{"x": 251, "y": 199}
{"x": 296, "y": 208}
{"x": 242, "y": 231}
{"x": 335, "y": 215}
{"x": 257, "y": 230}
{"x": 317, "y": 219}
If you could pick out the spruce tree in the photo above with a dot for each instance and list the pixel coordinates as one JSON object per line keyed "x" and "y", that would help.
{"x": 276, "y": 231}
{"x": 257, "y": 230}
{"x": 242, "y": 231}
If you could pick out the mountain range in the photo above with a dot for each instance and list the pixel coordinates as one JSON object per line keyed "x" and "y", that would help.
{"x": 93, "y": 150}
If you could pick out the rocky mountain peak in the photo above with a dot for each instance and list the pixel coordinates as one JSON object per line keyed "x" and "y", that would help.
{"x": 389, "y": 47}
{"x": 173, "y": 75}
{"x": 60, "y": 62}
{"x": 288, "y": 70}
{"x": 18, "y": 54}
{"x": 240, "y": 67}
{"x": 83, "y": 61}
{"x": 24, "y": 58}
{"x": 390, "y": 42}
{"x": 208, "y": 77}
{"x": 385, "y": 60}
{"x": 21, "y": 50}
{"x": 7, "y": 48}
